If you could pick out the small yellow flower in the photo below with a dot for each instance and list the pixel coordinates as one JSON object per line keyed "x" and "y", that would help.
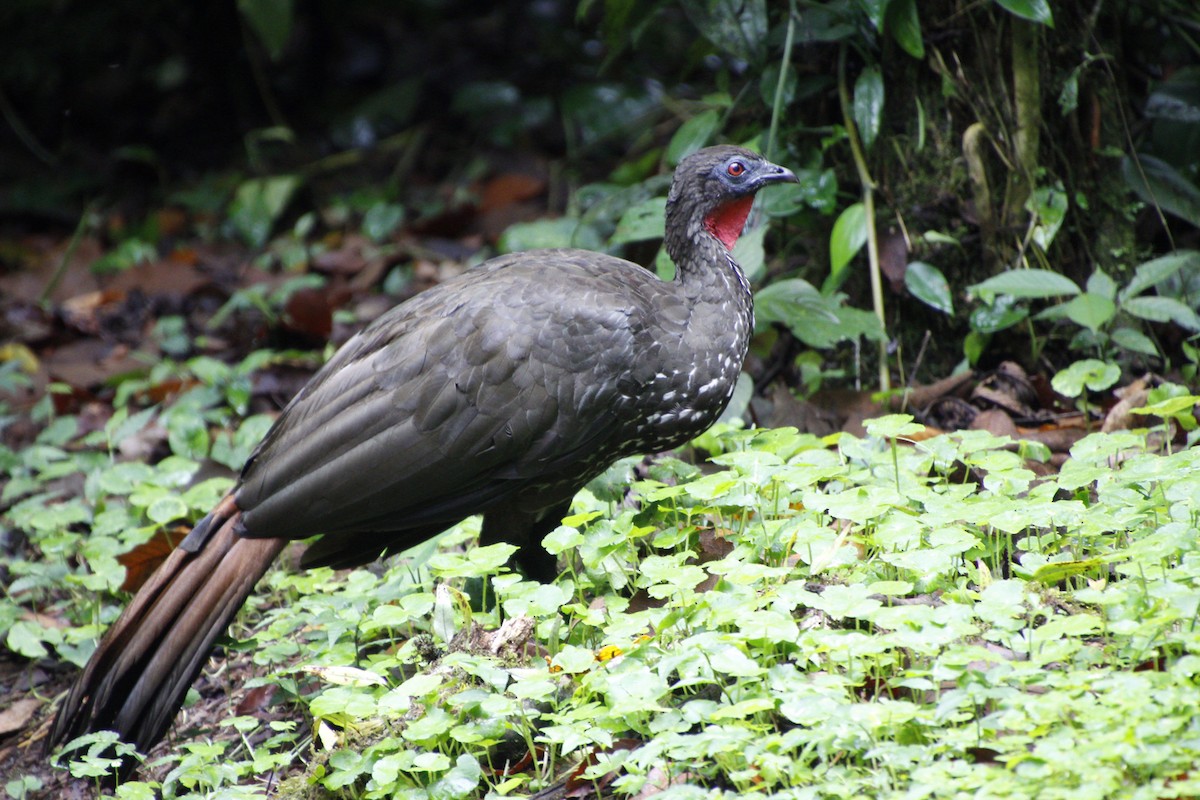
{"x": 608, "y": 652}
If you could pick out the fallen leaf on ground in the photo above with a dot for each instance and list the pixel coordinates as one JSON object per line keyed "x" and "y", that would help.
{"x": 17, "y": 716}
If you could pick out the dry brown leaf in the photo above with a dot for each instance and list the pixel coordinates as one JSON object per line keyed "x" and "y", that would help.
{"x": 713, "y": 544}
{"x": 575, "y": 785}
{"x": 1121, "y": 417}
{"x": 82, "y": 312}
{"x": 255, "y": 700}
{"x": 17, "y": 716}
{"x": 893, "y": 258}
{"x": 174, "y": 276}
{"x": 141, "y": 561}
{"x": 46, "y": 254}
{"x": 43, "y": 620}
{"x": 87, "y": 363}
{"x": 995, "y": 422}
{"x": 171, "y": 221}
{"x": 509, "y": 188}
{"x": 309, "y": 312}
{"x": 347, "y": 259}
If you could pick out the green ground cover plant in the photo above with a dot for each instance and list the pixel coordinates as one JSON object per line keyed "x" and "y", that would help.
{"x": 885, "y": 616}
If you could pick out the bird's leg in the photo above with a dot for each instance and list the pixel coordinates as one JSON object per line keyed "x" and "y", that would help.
{"x": 526, "y": 530}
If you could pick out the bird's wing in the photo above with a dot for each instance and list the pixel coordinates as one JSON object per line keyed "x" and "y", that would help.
{"x": 450, "y": 402}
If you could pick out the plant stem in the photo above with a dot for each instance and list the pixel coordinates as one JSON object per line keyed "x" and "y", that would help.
{"x": 868, "y": 201}
{"x": 1027, "y": 102}
{"x": 974, "y": 141}
{"x": 26, "y": 137}
{"x": 68, "y": 253}
{"x": 777, "y": 101}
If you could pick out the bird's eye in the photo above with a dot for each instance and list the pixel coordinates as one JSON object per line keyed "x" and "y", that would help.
{"x": 736, "y": 169}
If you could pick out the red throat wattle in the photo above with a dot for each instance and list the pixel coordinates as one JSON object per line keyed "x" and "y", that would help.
{"x": 726, "y": 222}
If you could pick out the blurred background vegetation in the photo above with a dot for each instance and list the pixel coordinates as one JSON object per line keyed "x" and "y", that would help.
{"x": 981, "y": 180}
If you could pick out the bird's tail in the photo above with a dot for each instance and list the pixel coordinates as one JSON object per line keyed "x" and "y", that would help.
{"x": 137, "y": 678}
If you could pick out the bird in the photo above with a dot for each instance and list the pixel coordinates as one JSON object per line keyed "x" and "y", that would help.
{"x": 501, "y": 392}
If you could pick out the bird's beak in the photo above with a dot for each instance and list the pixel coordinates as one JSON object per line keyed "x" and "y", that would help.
{"x": 773, "y": 173}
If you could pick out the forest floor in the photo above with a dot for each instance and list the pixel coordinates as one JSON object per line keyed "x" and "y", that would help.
{"x": 93, "y": 331}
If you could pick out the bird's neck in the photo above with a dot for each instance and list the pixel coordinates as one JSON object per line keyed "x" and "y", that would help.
{"x": 701, "y": 248}
{"x": 727, "y": 221}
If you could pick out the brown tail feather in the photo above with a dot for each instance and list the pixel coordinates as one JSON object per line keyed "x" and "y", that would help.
{"x": 137, "y": 678}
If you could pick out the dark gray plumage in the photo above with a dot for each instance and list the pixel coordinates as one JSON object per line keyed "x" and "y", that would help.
{"x": 500, "y": 392}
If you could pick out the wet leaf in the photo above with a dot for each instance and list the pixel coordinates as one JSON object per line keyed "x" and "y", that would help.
{"x": 258, "y": 204}
{"x": 927, "y": 283}
{"x": 641, "y": 222}
{"x": 1032, "y": 10}
{"x": 271, "y": 20}
{"x": 382, "y": 220}
{"x": 692, "y": 135}
{"x": 1160, "y": 185}
{"x": 1092, "y": 311}
{"x": 848, "y": 236}
{"x": 738, "y": 27}
{"x": 1026, "y": 283}
{"x": 904, "y": 24}
{"x": 1153, "y": 272}
{"x": 1134, "y": 340}
{"x": 868, "y": 104}
{"x": 1099, "y": 283}
{"x": 1163, "y": 309}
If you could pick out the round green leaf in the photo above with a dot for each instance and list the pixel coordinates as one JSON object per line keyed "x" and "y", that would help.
{"x": 166, "y": 509}
{"x": 1094, "y": 374}
{"x": 572, "y": 659}
{"x": 892, "y": 426}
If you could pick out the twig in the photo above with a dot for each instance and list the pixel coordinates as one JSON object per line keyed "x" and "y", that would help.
{"x": 23, "y": 133}
{"x": 65, "y": 261}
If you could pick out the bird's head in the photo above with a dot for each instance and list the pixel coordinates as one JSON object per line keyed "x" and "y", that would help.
{"x": 714, "y": 188}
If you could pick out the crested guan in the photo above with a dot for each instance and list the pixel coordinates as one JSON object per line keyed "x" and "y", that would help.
{"x": 500, "y": 392}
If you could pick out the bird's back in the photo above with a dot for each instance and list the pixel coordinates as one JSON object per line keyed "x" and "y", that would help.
{"x": 528, "y": 374}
